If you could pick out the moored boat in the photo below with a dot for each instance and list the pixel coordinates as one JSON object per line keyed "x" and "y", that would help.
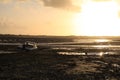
{"x": 28, "y": 46}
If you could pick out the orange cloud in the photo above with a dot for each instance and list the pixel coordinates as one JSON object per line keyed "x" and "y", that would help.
{"x": 5, "y": 1}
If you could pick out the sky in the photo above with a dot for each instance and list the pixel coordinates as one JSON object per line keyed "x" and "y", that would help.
{"x": 60, "y": 17}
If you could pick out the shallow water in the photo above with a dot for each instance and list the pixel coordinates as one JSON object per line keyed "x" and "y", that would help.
{"x": 89, "y": 49}
{"x": 90, "y": 53}
{"x": 7, "y": 52}
{"x": 107, "y": 46}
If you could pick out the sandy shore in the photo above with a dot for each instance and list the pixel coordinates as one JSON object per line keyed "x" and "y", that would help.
{"x": 46, "y": 64}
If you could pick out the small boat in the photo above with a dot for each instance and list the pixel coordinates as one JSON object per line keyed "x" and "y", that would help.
{"x": 28, "y": 46}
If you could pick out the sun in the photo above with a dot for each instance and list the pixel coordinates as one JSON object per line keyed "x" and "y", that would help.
{"x": 97, "y": 19}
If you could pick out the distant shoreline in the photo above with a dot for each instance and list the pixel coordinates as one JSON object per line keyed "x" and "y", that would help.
{"x": 69, "y": 36}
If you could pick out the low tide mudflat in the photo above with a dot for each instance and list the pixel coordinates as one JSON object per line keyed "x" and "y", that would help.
{"x": 46, "y": 63}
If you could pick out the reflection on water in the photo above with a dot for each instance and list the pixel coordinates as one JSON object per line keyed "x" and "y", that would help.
{"x": 89, "y": 47}
{"x": 102, "y": 40}
{"x": 84, "y": 40}
{"x": 70, "y": 53}
{"x": 81, "y": 46}
{"x": 90, "y": 53}
{"x": 91, "y": 40}
{"x": 103, "y": 46}
{"x": 63, "y": 48}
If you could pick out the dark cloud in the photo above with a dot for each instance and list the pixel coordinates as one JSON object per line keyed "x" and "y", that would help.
{"x": 57, "y": 3}
{"x": 63, "y": 4}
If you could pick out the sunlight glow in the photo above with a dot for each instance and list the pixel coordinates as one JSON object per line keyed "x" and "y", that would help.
{"x": 97, "y": 19}
{"x": 101, "y": 54}
{"x": 102, "y": 40}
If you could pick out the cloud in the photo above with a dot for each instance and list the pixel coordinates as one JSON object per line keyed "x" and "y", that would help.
{"x": 22, "y": 0}
{"x": 9, "y": 1}
{"x": 5, "y": 1}
{"x": 63, "y": 4}
{"x": 57, "y": 3}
